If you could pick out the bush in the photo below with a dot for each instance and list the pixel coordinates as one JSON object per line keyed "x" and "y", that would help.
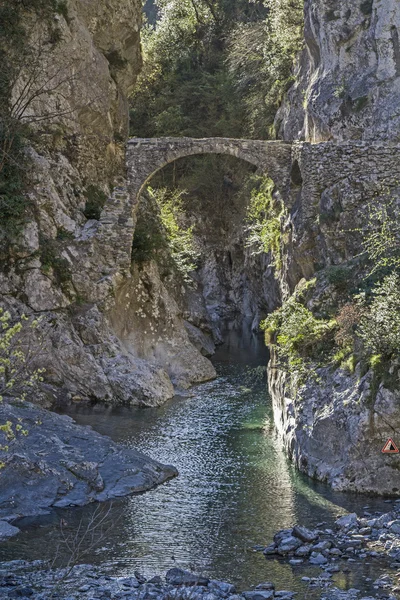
{"x": 148, "y": 239}
{"x": 381, "y": 233}
{"x": 261, "y": 59}
{"x": 299, "y": 336}
{"x": 17, "y": 375}
{"x": 263, "y": 229}
{"x": 339, "y": 276}
{"x": 379, "y": 328}
{"x": 348, "y": 319}
{"x": 366, "y": 7}
{"x": 179, "y": 238}
{"x": 49, "y": 255}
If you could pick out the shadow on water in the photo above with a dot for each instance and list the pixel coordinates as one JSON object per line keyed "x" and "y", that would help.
{"x": 235, "y": 488}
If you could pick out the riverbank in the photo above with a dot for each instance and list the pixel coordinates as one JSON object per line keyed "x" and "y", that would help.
{"x": 353, "y": 540}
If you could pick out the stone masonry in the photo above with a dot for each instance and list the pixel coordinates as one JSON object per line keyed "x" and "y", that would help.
{"x": 303, "y": 173}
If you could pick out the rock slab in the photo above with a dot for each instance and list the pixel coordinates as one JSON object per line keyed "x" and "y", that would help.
{"x": 52, "y": 462}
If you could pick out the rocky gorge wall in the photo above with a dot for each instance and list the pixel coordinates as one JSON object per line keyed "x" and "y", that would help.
{"x": 59, "y": 266}
{"x": 347, "y": 82}
{"x": 335, "y": 425}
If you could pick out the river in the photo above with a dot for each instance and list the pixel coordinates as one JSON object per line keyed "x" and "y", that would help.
{"x": 235, "y": 488}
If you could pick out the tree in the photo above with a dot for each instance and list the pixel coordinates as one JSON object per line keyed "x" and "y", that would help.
{"x": 19, "y": 352}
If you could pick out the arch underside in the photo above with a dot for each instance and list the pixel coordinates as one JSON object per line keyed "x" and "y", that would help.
{"x": 147, "y": 157}
{"x": 156, "y": 168}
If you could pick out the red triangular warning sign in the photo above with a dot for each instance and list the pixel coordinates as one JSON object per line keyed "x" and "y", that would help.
{"x": 390, "y": 447}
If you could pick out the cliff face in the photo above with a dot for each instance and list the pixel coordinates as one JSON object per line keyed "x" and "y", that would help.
{"x": 58, "y": 267}
{"x": 348, "y": 77}
{"x": 335, "y": 423}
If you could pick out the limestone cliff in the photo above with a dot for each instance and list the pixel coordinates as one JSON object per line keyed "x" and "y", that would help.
{"x": 348, "y": 76}
{"x": 335, "y": 423}
{"x": 59, "y": 266}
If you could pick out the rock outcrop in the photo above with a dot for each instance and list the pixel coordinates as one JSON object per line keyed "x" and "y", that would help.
{"x": 346, "y": 89}
{"x": 348, "y": 77}
{"x": 334, "y": 428}
{"x": 66, "y": 265}
{"x": 48, "y": 461}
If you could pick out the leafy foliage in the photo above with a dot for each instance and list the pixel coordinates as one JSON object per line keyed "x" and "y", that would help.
{"x": 381, "y": 234}
{"x": 52, "y": 261}
{"x": 216, "y": 67}
{"x": 379, "y": 328}
{"x": 17, "y": 376}
{"x": 185, "y": 87}
{"x": 95, "y": 200}
{"x": 264, "y": 219}
{"x": 166, "y": 232}
{"x": 260, "y": 59}
{"x": 178, "y": 236}
{"x": 299, "y": 336}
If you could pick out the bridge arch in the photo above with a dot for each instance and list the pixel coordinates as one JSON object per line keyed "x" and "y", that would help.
{"x": 147, "y": 156}
{"x": 144, "y": 157}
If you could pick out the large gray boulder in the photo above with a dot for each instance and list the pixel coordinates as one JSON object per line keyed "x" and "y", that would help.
{"x": 49, "y": 461}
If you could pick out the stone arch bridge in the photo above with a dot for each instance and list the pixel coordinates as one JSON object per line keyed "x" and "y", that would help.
{"x": 304, "y": 173}
{"x": 147, "y": 156}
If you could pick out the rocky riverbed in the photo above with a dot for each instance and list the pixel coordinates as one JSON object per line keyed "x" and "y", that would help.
{"x": 353, "y": 539}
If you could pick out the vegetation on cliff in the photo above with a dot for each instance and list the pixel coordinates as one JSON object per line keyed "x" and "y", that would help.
{"x": 162, "y": 234}
{"x": 362, "y": 323}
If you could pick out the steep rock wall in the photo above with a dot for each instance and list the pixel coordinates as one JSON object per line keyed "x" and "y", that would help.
{"x": 334, "y": 429}
{"x": 348, "y": 77}
{"x": 334, "y": 425}
{"x": 58, "y": 266}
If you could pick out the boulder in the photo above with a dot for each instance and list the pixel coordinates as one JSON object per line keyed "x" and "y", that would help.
{"x": 58, "y": 463}
{"x": 177, "y": 576}
{"x": 7, "y": 531}
{"x": 303, "y": 550}
{"x": 347, "y": 521}
{"x": 318, "y": 559}
{"x": 259, "y": 595}
{"x": 289, "y": 544}
{"x": 304, "y": 534}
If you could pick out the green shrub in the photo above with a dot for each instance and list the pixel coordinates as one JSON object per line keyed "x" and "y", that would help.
{"x": 17, "y": 375}
{"x": 148, "y": 239}
{"x": 360, "y": 103}
{"x": 379, "y": 329}
{"x": 263, "y": 220}
{"x": 178, "y": 236}
{"x": 332, "y": 15}
{"x": 381, "y": 233}
{"x": 340, "y": 276}
{"x": 61, "y": 8}
{"x": 64, "y": 234}
{"x": 50, "y": 258}
{"x": 300, "y": 337}
{"x": 366, "y": 7}
{"x": 95, "y": 202}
